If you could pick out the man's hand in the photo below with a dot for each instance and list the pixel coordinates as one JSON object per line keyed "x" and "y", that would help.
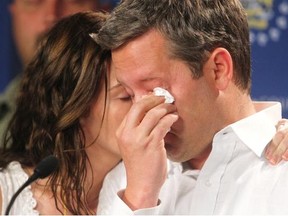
{"x": 278, "y": 147}
{"x": 141, "y": 142}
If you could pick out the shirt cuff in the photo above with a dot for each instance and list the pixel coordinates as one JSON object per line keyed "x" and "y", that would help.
{"x": 120, "y": 208}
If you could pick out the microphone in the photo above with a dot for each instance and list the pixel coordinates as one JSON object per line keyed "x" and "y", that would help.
{"x": 42, "y": 170}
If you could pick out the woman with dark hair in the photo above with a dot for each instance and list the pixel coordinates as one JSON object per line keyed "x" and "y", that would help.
{"x": 68, "y": 107}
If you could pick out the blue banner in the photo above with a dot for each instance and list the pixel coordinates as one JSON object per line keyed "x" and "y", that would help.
{"x": 268, "y": 21}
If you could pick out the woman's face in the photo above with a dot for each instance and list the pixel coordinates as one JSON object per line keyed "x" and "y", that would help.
{"x": 118, "y": 104}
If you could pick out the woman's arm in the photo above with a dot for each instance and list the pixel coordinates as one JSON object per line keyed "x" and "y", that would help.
{"x": 277, "y": 150}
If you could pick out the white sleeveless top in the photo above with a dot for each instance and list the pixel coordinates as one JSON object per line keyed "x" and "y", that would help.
{"x": 11, "y": 179}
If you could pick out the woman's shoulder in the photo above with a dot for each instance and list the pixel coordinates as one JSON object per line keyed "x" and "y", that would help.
{"x": 11, "y": 179}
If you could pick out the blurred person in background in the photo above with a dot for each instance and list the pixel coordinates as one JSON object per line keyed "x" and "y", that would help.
{"x": 31, "y": 19}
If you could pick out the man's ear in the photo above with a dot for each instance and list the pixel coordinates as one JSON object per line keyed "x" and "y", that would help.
{"x": 221, "y": 64}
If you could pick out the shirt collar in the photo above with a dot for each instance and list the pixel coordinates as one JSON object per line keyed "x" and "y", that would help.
{"x": 257, "y": 130}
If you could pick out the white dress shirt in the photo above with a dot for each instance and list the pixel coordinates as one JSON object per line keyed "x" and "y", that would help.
{"x": 235, "y": 179}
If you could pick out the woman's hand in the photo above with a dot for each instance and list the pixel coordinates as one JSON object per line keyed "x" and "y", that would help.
{"x": 277, "y": 150}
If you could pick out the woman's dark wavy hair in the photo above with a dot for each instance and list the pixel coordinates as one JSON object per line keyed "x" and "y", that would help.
{"x": 58, "y": 88}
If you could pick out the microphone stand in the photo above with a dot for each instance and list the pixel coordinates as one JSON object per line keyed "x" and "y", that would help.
{"x": 43, "y": 169}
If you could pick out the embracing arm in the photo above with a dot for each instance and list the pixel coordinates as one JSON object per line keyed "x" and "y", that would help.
{"x": 278, "y": 147}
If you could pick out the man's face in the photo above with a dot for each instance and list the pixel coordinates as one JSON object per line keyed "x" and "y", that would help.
{"x": 32, "y": 18}
{"x": 143, "y": 64}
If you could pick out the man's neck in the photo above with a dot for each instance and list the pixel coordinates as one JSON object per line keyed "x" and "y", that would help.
{"x": 198, "y": 162}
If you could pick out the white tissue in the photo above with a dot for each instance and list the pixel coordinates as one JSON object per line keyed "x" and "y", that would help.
{"x": 164, "y": 93}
